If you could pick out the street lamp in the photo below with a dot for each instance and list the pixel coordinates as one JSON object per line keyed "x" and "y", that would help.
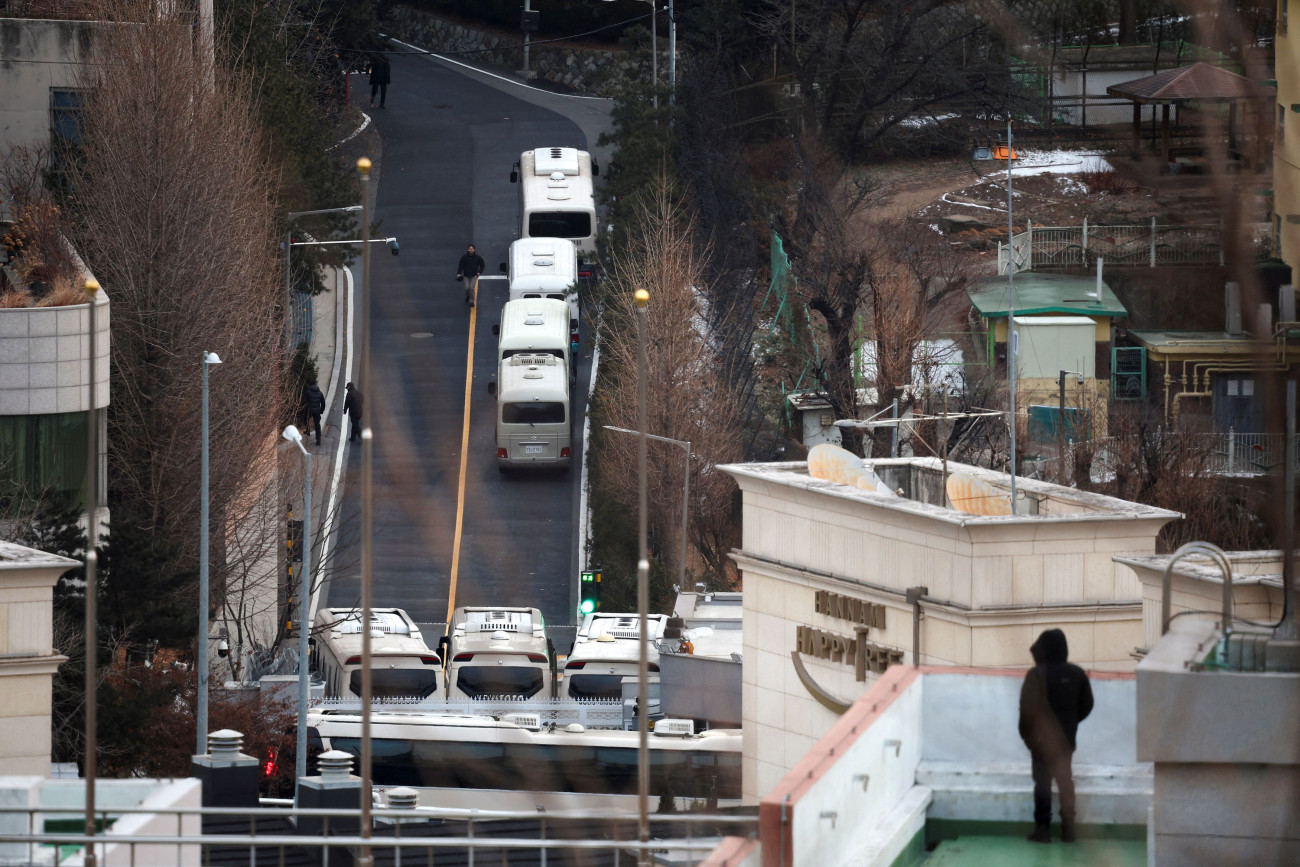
{"x": 288, "y": 239}
{"x": 686, "y": 492}
{"x": 292, "y": 434}
{"x": 201, "y": 735}
{"x": 642, "y": 593}
{"x": 654, "y": 49}
{"x": 92, "y": 591}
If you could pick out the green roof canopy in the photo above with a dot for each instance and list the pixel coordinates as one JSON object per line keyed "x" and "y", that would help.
{"x": 1044, "y": 293}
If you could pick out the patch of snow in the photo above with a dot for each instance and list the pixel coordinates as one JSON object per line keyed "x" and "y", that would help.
{"x": 1061, "y": 162}
{"x": 913, "y": 122}
{"x": 934, "y": 227}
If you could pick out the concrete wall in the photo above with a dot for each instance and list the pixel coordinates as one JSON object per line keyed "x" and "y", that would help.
{"x": 36, "y": 55}
{"x": 1227, "y": 762}
{"x": 28, "y": 658}
{"x": 993, "y": 585}
{"x": 1286, "y": 148}
{"x": 45, "y": 358}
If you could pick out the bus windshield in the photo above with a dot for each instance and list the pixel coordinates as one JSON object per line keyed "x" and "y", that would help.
{"x": 535, "y": 412}
{"x": 395, "y": 682}
{"x": 559, "y": 224}
{"x": 480, "y": 681}
{"x": 595, "y": 685}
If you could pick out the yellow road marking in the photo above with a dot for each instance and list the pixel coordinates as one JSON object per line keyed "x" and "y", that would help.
{"x": 464, "y": 456}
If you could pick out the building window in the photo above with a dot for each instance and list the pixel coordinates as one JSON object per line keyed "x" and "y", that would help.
{"x": 1281, "y": 122}
{"x": 65, "y": 126}
{"x": 43, "y": 456}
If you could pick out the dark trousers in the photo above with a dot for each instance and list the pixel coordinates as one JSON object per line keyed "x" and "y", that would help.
{"x": 382, "y": 91}
{"x": 1046, "y": 769}
{"x": 315, "y": 418}
{"x": 354, "y": 429}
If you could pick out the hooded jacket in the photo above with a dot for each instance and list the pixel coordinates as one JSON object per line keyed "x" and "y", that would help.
{"x": 313, "y": 400}
{"x": 1054, "y": 698}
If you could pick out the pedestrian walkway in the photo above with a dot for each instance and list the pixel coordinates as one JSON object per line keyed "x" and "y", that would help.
{"x": 1018, "y": 852}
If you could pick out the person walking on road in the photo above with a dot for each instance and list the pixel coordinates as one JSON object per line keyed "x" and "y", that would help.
{"x": 1054, "y": 698}
{"x": 380, "y": 75}
{"x": 467, "y": 269}
{"x": 314, "y": 404}
{"x": 353, "y": 405}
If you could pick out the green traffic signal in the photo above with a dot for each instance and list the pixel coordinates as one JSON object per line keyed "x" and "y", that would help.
{"x": 589, "y": 591}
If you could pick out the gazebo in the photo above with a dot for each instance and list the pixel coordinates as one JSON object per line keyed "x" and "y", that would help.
{"x": 1196, "y": 84}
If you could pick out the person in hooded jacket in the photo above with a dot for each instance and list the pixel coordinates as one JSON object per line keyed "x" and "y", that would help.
{"x": 313, "y": 402}
{"x": 353, "y": 405}
{"x": 1054, "y": 698}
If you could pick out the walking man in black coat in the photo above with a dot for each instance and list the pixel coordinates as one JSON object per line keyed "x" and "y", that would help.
{"x": 380, "y": 75}
{"x": 1054, "y": 698}
{"x": 353, "y": 405}
{"x": 314, "y": 403}
{"x": 467, "y": 269}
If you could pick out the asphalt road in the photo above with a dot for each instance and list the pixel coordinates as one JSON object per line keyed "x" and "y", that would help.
{"x": 449, "y": 140}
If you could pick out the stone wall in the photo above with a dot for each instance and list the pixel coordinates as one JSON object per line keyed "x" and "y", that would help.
{"x": 585, "y": 70}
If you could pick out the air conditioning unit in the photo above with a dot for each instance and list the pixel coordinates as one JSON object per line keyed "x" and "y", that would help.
{"x": 530, "y": 721}
{"x": 675, "y": 728}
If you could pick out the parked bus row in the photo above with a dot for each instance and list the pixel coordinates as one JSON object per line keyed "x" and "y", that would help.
{"x": 538, "y": 335}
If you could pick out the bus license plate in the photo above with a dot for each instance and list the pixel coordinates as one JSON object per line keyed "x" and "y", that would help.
{"x": 532, "y": 450}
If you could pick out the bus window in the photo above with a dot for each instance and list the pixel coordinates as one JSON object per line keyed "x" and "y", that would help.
{"x": 559, "y": 224}
{"x": 395, "y": 682}
{"x": 592, "y": 686}
{"x": 480, "y": 681}
{"x": 535, "y": 412}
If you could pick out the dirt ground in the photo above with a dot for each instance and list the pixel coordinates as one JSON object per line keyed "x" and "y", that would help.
{"x": 968, "y": 199}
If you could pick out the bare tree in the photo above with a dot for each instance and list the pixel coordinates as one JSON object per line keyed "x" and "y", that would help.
{"x": 883, "y": 281}
{"x": 174, "y": 210}
{"x": 687, "y": 398}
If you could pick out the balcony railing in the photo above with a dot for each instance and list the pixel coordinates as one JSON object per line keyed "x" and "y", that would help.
{"x": 413, "y": 836}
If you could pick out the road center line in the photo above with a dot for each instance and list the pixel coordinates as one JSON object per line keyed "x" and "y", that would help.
{"x": 464, "y": 456}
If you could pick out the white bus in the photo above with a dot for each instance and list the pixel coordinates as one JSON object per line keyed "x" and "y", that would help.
{"x": 535, "y": 325}
{"x": 534, "y": 425}
{"x": 606, "y": 650}
{"x": 499, "y": 653}
{"x": 546, "y": 268}
{"x": 478, "y": 762}
{"x": 557, "y": 199}
{"x": 401, "y": 664}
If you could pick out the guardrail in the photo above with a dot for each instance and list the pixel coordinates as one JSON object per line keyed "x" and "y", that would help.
{"x": 558, "y": 711}
{"x": 1045, "y": 247}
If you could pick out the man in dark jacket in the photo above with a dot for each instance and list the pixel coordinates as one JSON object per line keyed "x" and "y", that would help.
{"x": 1054, "y": 698}
{"x": 314, "y": 403}
{"x": 353, "y": 404}
{"x": 380, "y": 76}
{"x": 467, "y": 269}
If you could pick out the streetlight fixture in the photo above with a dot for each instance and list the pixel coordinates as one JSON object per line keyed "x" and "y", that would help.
{"x": 293, "y": 435}
{"x": 289, "y": 244}
{"x": 686, "y": 492}
{"x": 654, "y": 50}
{"x": 92, "y": 591}
{"x": 201, "y": 735}
{"x": 642, "y": 595}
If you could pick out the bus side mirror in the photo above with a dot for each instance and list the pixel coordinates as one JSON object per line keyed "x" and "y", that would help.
{"x": 504, "y": 270}
{"x": 595, "y": 169}
{"x": 444, "y": 648}
{"x": 492, "y": 388}
{"x": 514, "y": 174}
{"x": 496, "y": 330}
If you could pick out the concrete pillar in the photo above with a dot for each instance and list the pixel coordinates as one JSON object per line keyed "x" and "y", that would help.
{"x": 229, "y": 778}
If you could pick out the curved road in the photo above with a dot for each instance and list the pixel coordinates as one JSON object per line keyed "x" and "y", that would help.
{"x": 450, "y": 136}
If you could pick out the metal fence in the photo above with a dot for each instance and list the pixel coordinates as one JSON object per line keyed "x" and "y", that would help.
{"x": 271, "y": 835}
{"x": 300, "y": 319}
{"x": 1212, "y": 454}
{"x": 558, "y": 711}
{"x": 1047, "y": 247}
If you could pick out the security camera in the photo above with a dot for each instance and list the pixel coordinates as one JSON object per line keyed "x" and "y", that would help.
{"x": 223, "y": 648}
{"x": 392, "y": 245}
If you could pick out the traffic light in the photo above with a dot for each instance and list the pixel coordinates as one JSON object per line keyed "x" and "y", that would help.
{"x": 589, "y": 592}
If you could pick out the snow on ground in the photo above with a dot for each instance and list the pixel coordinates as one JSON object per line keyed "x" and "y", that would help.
{"x": 1036, "y": 162}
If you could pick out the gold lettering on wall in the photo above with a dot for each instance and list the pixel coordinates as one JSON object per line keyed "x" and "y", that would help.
{"x": 863, "y": 655}
{"x": 834, "y": 605}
